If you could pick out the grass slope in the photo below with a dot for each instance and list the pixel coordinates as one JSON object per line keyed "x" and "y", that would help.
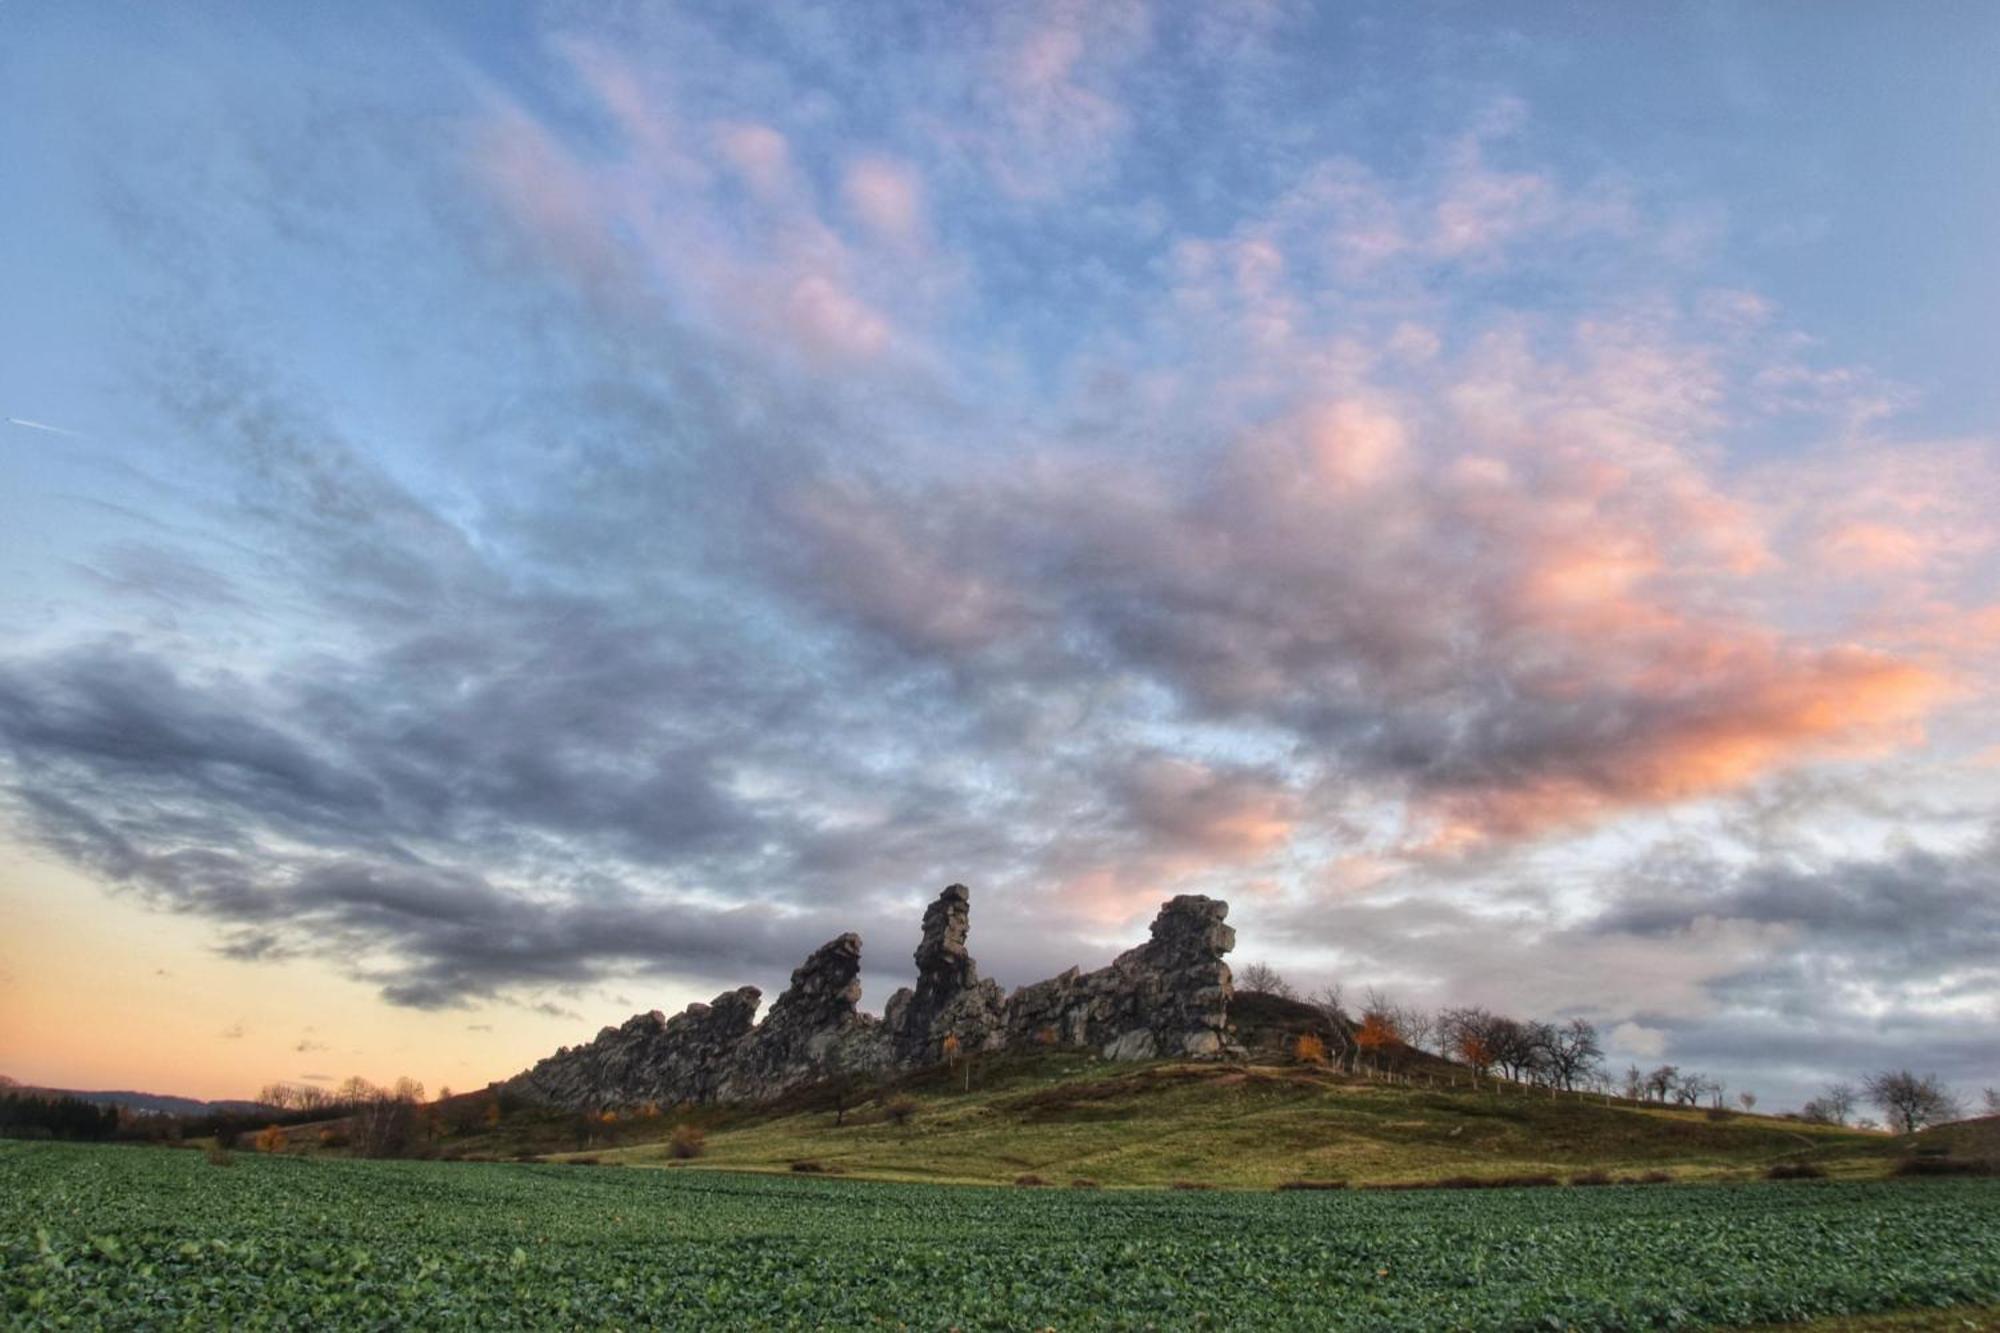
{"x": 1064, "y": 1117}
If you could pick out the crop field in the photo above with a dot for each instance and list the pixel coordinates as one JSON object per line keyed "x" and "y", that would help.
{"x": 130, "y": 1237}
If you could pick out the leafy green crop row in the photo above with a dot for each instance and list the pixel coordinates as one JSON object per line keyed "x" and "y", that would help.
{"x": 126, "y": 1237}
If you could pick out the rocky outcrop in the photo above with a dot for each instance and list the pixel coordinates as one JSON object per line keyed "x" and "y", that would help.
{"x": 650, "y": 1058}
{"x": 816, "y": 1029}
{"x": 950, "y": 1000}
{"x": 1169, "y": 997}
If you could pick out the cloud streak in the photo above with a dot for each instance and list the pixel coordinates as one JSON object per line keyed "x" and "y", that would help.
{"x": 760, "y": 481}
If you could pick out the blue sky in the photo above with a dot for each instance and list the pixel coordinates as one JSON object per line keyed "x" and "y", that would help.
{"x": 569, "y": 507}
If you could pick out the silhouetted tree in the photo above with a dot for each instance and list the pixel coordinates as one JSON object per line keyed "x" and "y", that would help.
{"x": 1911, "y": 1102}
{"x": 1831, "y": 1107}
{"x": 1263, "y": 979}
{"x": 1571, "y": 1053}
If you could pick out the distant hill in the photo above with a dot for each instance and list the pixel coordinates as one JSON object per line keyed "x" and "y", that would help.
{"x": 151, "y": 1103}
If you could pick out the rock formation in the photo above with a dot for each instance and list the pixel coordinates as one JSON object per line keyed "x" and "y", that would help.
{"x": 1168, "y": 998}
{"x": 816, "y": 1029}
{"x": 650, "y": 1058}
{"x": 950, "y": 999}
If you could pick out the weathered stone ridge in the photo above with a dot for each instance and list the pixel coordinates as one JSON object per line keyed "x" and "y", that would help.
{"x": 650, "y": 1058}
{"x": 1169, "y": 997}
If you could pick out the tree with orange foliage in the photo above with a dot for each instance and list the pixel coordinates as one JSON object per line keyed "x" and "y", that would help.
{"x": 1472, "y": 1049}
{"x": 1309, "y": 1049}
{"x": 1376, "y": 1035}
{"x": 949, "y": 1050}
{"x": 271, "y": 1139}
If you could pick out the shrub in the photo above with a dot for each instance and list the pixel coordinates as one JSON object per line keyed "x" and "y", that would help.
{"x": 1084, "y": 1183}
{"x": 1469, "y": 1183}
{"x": 1943, "y": 1166}
{"x": 1795, "y": 1171}
{"x": 1309, "y": 1049}
{"x": 270, "y": 1139}
{"x": 219, "y": 1156}
{"x": 1191, "y": 1185}
{"x": 1593, "y": 1178}
{"x": 900, "y": 1110}
{"x": 1312, "y": 1185}
{"x": 1030, "y": 1181}
{"x": 687, "y": 1141}
{"x": 811, "y": 1168}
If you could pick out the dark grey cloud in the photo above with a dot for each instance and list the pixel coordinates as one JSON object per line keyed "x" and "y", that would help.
{"x": 1907, "y": 916}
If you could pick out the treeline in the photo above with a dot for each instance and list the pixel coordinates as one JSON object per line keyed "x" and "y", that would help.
{"x": 27, "y": 1116}
{"x": 1568, "y": 1056}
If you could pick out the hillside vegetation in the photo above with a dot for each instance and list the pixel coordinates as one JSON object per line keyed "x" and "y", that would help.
{"x": 1063, "y": 1118}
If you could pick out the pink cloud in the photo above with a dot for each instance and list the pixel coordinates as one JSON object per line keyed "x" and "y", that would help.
{"x": 888, "y": 198}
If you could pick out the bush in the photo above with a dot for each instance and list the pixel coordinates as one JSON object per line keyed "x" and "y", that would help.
{"x": 1309, "y": 1049}
{"x": 687, "y": 1141}
{"x": 270, "y": 1139}
{"x": 900, "y": 1110}
{"x": 1312, "y": 1185}
{"x": 1084, "y": 1183}
{"x": 1469, "y": 1183}
{"x": 1191, "y": 1185}
{"x": 1943, "y": 1166}
{"x": 219, "y": 1156}
{"x": 1795, "y": 1171}
{"x": 1030, "y": 1182}
{"x": 811, "y": 1168}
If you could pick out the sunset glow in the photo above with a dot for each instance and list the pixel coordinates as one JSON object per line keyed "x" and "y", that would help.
{"x": 513, "y": 517}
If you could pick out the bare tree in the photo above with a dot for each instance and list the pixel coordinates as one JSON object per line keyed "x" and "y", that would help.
{"x": 1993, "y": 1101}
{"x": 1263, "y": 979}
{"x": 1661, "y": 1082}
{"x": 1691, "y": 1089}
{"x": 1831, "y": 1107}
{"x": 1570, "y": 1053}
{"x": 1329, "y": 1000}
{"x": 385, "y": 1120}
{"x": 1747, "y": 1100}
{"x": 1635, "y": 1083}
{"x": 1911, "y": 1102}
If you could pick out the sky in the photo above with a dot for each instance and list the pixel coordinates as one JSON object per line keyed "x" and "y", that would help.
{"x": 513, "y": 515}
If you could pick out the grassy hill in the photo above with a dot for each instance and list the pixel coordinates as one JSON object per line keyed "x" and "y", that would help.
{"x": 1064, "y": 1118}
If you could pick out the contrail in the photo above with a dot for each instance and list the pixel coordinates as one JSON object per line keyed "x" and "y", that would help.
{"x": 41, "y": 425}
